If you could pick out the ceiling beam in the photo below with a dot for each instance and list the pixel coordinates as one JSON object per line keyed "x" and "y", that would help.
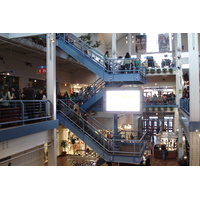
{"x": 19, "y": 35}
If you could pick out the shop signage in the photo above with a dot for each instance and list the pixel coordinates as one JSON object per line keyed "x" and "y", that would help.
{"x": 42, "y": 70}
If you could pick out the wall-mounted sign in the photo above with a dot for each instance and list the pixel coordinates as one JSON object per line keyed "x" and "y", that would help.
{"x": 42, "y": 70}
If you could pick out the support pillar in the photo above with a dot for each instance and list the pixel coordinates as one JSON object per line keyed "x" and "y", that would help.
{"x": 194, "y": 126}
{"x": 129, "y": 44}
{"x": 179, "y": 73}
{"x": 114, "y": 48}
{"x": 51, "y": 93}
{"x": 116, "y": 136}
{"x": 179, "y": 90}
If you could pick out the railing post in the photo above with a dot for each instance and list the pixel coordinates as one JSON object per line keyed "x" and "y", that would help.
{"x": 22, "y": 112}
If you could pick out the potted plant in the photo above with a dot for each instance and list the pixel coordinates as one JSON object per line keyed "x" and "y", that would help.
{"x": 64, "y": 145}
{"x": 88, "y": 39}
{"x": 152, "y": 71}
{"x": 158, "y": 71}
{"x": 164, "y": 70}
{"x": 147, "y": 71}
{"x": 170, "y": 70}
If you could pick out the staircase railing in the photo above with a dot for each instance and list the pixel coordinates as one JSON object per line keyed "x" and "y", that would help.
{"x": 68, "y": 105}
{"x": 91, "y": 128}
{"x": 93, "y": 89}
{"x": 114, "y": 66}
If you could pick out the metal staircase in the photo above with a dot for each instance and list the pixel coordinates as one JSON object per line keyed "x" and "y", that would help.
{"x": 113, "y": 150}
{"x": 94, "y": 93}
{"x": 95, "y": 61}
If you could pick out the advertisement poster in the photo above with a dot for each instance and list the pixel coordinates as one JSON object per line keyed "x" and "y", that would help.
{"x": 163, "y": 42}
{"x": 140, "y": 43}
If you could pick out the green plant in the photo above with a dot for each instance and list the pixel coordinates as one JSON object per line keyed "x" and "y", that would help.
{"x": 170, "y": 70}
{"x": 147, "y": 71}
{"x": 164, "y": 70}
{"x": 64, "y": 144}
{"x": 158, "y": 71}
{"x": 152, "y": 71}
{"x": 87, "y": 39}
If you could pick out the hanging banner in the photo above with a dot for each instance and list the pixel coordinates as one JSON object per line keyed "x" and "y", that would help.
{"x": 163, "y": 42}
{"x": 42, "y": 70}
{"x": 140, "y": 43}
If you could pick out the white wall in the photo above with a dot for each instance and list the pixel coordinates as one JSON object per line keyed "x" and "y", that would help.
{"x": 17, "y": 145}
{"x": 30, "y": 159}
{"x": 21, "y": 146}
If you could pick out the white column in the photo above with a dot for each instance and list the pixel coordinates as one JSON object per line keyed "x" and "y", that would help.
{"x": 114, "y": 48}
{"x": 194, "y": 76}
{"x": 194, "y": 96}
{"x": 179, "y": 90}
{"x": 51, "y": 93}
{"x": 194, "y": 149}
{"x": 179, "y": 74}
{"x": 129, "y": 44}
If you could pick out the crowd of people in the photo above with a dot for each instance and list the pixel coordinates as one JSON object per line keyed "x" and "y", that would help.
{"x": 166, "y": 99}
{"x": 127, "y": 64}
{"x": 27, "y": 93}
{"x": 82, "y": 95}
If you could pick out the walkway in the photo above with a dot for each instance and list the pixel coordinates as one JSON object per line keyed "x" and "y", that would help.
{"x": 70, "y": 160}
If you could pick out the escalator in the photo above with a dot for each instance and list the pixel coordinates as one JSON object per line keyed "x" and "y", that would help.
{"x": 111, "y": 150}
{"x": 94, "y": 61}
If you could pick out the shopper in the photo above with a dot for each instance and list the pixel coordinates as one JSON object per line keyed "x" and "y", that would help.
{"x": 5, "y": 96}
{"x": 163, "y": 151}
{"x": 29, "y": 94}
{"x": 77, "y": 107}
{"x": 127, "y": 61}
{"x": 106, "y": 61}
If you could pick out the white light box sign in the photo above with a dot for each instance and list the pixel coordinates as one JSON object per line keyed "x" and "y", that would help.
{"x": 123, "y": 100}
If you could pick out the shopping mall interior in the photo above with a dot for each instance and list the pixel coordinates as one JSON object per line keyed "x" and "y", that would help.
{"x": 100, "y": 99}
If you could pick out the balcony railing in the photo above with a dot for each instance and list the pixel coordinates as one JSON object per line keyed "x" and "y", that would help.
{"x": 22, "y": 112}
{"x": 185, "y": 105}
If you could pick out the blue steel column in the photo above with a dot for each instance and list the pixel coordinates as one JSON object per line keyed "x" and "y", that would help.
{"x": 51, "y": 93}
{"x": 116, "y": 136}
{"x": 194, "y": 125}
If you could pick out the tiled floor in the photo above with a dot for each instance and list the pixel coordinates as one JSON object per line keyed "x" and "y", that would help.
{"x": 69, "y": 160}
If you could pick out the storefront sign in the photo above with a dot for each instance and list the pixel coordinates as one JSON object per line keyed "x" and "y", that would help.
{"x": 42, "y": 70}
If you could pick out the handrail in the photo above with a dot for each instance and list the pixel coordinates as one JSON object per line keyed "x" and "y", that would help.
{"x": 94, "y": 122}
{"x": 110, "y": 65}
{"x": 108, "y": 144}
{"x": 185, "y": 105}
{"x": 14, "y": 112}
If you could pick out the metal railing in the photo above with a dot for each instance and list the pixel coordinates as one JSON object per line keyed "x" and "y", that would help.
{"x": 91, "y": 128}
{"x": 19, "y": 112}
{"x": 185, "y": 105}
{"x": 159, "y": 101}
{"x": 109, "y": 65}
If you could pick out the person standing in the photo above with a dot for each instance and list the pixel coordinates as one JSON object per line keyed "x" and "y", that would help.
{"x": 127, "y": 62}
{"x": 77, "y": 107}
{"x": 29, "y": 94}
{"x": 106, "y": 61}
